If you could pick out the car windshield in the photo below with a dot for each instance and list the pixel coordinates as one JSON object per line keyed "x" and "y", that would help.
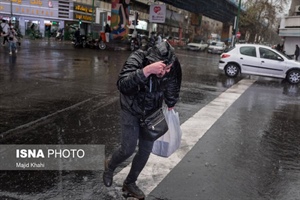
{"x": 218, "y": 44}
{"x": 197, "y": 40}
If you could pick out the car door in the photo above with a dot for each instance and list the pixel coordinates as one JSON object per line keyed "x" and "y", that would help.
{"x": 249, "y": 62}
{"x": 272, "y": 63}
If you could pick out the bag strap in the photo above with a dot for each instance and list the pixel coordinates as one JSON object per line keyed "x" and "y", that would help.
{"x": 150, "y": 86}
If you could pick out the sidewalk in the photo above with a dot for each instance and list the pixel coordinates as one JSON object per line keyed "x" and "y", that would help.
{"x": 110, "y": 46}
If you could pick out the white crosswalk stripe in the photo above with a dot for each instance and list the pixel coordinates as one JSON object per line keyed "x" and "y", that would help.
{"x": 193, "y": 129}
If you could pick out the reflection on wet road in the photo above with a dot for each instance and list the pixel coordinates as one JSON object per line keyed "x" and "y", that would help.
{"x": 57, "y": 81}
{"x": 54, "y": 94}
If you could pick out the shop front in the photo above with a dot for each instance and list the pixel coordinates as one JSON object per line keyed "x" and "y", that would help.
{"x": 82, "y": 18}
{"x": 32, "y": 18}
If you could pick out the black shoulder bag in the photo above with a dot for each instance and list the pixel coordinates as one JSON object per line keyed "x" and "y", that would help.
{"x": 154, "y": 125}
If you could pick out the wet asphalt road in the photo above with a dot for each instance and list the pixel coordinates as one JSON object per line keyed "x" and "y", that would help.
{"x": 51, "y": 93}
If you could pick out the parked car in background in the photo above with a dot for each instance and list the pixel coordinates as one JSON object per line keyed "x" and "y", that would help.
{"x": 216, "y": 47}
{"x": 259, "y": 60}
{"x": 197, "y": 45}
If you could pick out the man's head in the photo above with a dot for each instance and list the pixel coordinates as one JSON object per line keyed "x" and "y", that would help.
{"x": 162, "y": 52}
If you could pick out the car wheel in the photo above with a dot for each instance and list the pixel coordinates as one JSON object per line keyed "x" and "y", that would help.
{"x": 102, "y": 45}
{"x": 293, "y": 76}
{"x": 232, "y": 70}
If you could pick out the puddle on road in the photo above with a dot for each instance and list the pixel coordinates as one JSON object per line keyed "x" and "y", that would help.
{"x": 282, "y": 138}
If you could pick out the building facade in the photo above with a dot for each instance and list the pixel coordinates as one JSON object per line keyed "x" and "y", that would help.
{"x": 290, "y": 28}
{"x": 47, "y": 16}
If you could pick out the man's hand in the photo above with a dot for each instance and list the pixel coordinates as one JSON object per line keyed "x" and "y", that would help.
{"x": 154, "y": 68}
{"x": 170, "y": 108}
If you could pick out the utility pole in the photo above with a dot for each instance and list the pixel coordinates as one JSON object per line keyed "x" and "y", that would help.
{"x": 233, "y": 32}
{"x": 92, "y": 24}
{"x": 11, "y": 9}
{"x": 237, "y": 21}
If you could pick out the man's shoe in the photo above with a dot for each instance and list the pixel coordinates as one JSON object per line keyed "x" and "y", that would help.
{"x": 107, "y": 174}
{"x": 133, "y": 190}
{"x": 10, "y": 53}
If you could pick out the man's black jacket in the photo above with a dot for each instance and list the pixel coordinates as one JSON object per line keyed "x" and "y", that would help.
{"x": 140, "y": 95}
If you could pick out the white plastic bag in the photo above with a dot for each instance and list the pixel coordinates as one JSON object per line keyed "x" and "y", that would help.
{"x": 170, "y": 141}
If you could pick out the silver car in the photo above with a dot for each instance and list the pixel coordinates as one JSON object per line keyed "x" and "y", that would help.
{"x": 216, "y": 47}
{"x": 259, "y": 60}
{"x": 197, "y": 45}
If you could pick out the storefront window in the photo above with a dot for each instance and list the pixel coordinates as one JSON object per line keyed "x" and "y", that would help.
{"x": 32, "y": 29}
{"x": 51, "y": 28}
{"x": 70, "y": 28}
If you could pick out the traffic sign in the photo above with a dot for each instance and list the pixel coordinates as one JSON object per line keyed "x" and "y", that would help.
{"x": 238, "y": 34}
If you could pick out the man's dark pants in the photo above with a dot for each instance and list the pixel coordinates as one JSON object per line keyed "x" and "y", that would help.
{"x": 129, "y": 138}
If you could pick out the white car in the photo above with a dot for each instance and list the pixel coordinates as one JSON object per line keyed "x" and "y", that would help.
{"x": 216, "y": 47}
{"x": 199, "y": 45}
{"x": 259, "y": 60}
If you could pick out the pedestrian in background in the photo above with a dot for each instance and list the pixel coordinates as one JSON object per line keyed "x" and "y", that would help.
{"x": 107, "y": 32}
{"x": 5, "y": 28}
{"x": 77, "y": 36}
{"x": 152, "y": 40}
{"x": 146, "y": 80}
{"x": 159, "y": 38}
{"x": 11, "y": 34}
{"x": 297, "y": 52}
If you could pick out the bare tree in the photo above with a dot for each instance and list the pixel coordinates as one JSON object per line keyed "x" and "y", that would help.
{"x": 260, "y": 19}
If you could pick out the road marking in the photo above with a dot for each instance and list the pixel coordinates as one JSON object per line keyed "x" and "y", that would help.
{"x": 193, "y": 129}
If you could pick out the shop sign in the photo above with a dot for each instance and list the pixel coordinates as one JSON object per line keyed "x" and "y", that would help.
{"x": 50, "y": 5}
{"x": 13, "y": 1}
{"x": 17, "y": 1}
{"x": 83, "y": 17}
{"x": 36, "y": 2}
{"x": 83, "y": 8}
{"x": 30, "y": 10}
{"x": 34, "y": 11}
{"x": 157, "y": 13}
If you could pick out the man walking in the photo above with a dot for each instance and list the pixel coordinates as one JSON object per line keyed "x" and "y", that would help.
{"x": 146, "y": 80}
